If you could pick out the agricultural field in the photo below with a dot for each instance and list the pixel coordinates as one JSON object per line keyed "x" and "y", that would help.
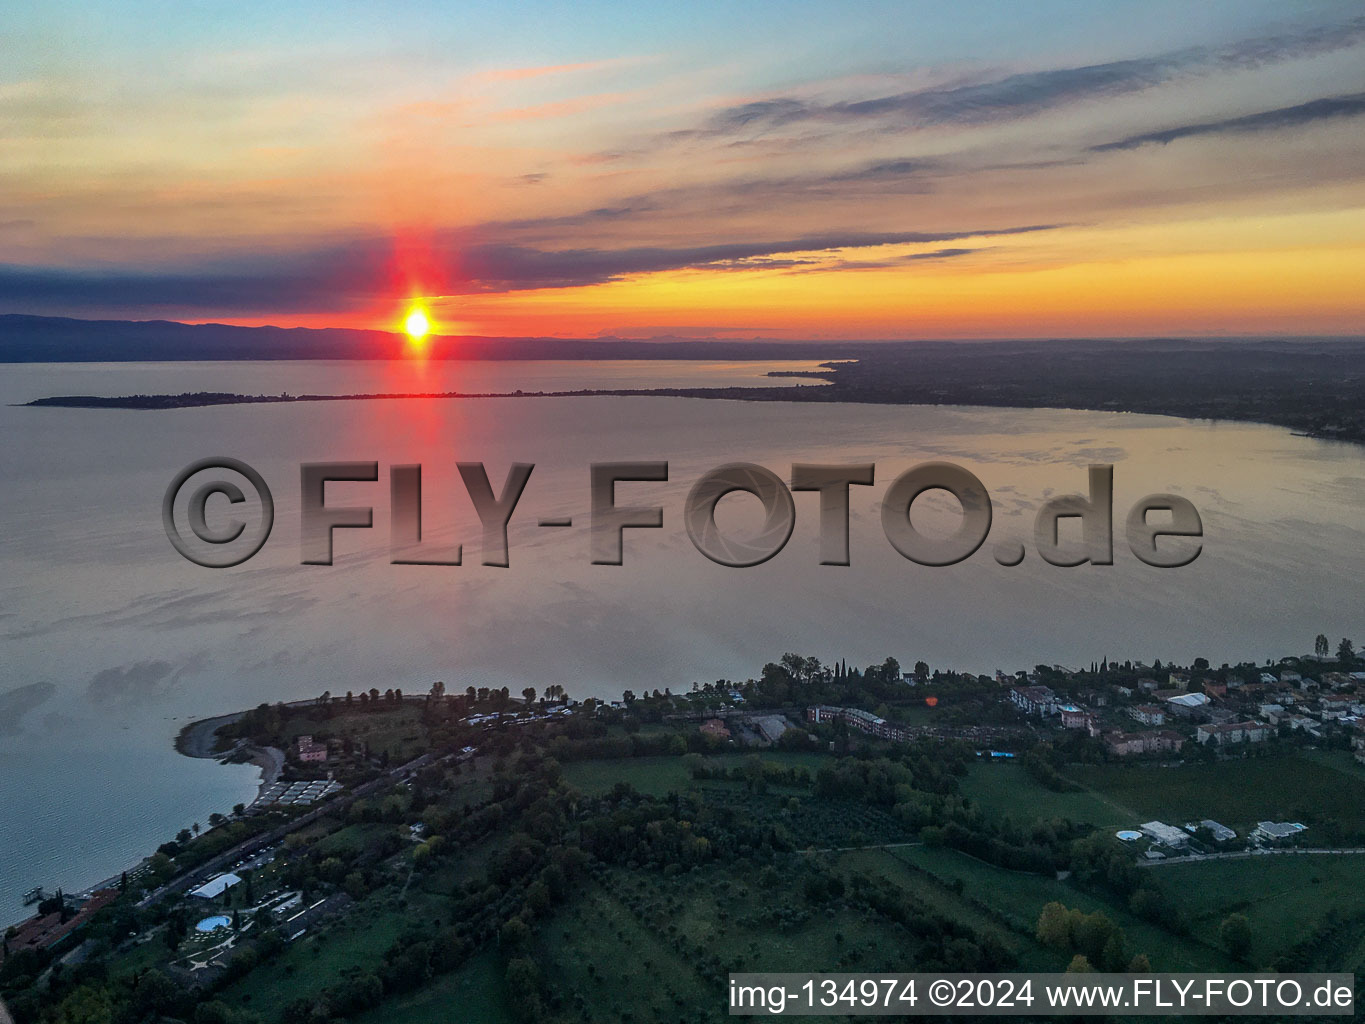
{"x": 654, "y": 776}
{"x": 1003, "y": 789}
{"x": 659, "y": 776}
{"x": 1286, "y": 898}
{"x": 316, "y": 961}
{"x": 1018, "y": 898}
{"x": 476, "y": 990}
{"x": 1288, "y": 786}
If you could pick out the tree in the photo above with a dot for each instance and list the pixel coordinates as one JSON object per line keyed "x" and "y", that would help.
{"x": 216, "y": 819}
{"x": 1346, "y": 652}
{"x": 529, "y": 695}
{"x": 1320, "y": 645}
{"x": 1079, "y": 965}
{"x": 238, "y": 810}
{"x": 1235, "y": 934}
{"x": 921, "y": 670}
{"x": 1054, "y": 926}
{"x": 1115, "y": 952}
{"x": 183, "y": 836}
{"x": 1140, "y": 965}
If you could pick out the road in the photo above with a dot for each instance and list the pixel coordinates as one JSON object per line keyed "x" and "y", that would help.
{"x": 1243, "y": 854}
{"x": 197, "y": 876}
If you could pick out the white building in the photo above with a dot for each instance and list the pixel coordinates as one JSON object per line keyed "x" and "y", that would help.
{"x": 1271, "y": 831}
{"x": 216, "y": 886}
{"x": 1166, "y": 835}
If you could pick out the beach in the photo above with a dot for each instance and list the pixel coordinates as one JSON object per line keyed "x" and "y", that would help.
{"x": 199, "y": 739}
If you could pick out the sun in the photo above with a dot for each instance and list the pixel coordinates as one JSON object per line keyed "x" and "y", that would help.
{"x": 417, "y": 325}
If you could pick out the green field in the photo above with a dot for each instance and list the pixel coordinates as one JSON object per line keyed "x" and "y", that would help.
{"x": 472, "y": 995}
{"x": 1283, "y": 787}
{"x": 1004, "y": 790}
{"x": 659, "y": 776}
{"x": 656, "y": 776}
{"x": 307, "y": 966}
{"x": 938, "y": 894}
{"x": 395, "y": 730}
{"x": 1019, "y": 898}
{"x": 1284, "y": 897}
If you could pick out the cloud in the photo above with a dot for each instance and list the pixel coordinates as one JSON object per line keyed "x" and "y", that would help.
{"x": 903, "y": 260}
{"x": 140, "y": 683}
{"x": 357, "y": 271}
{"x": 16, "y": 703}
{"x": 1285, "y": 117}
{"x": 1027, "y": 93}
{"x": 511, "y": 267}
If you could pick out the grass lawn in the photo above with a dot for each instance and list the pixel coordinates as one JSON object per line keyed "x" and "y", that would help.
{"x": 310, "y": 964}
{"x": 350, "y": 840}
{"x": 1020, "y": 898}
{"x": 656, "y": 776}
{"x": 1289, "y": 786}
{"x": 932, "y": 891}
{"x": 645, "y": 948}
{"x": 1285, "y": 897}
{"x": 472, "y": 995}
{"x": 1005, "y": 790}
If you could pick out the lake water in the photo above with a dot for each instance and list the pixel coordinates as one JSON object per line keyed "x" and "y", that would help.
{"x": 112, "y": 641}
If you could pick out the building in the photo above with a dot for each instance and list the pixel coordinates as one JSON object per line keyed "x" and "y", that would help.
{"x": 43, "y": 932}
{"x": 215, "y": 887}
{"x": 1034, "y": 700}
{"x": 1125, "y": 744}
{"x": 715, "y": 727}
{"x": 1187, "y": 704}
{"x": 1233, "y": 732}
{"x": 1178, "y": 680}
{"x": 771, "y": 727}
{"x": 1221, "y": 833}
{"x": 1305, "y": 724}
{"x": 1074, "y": 717}
{"x": 1148, "y": 714}
{"x": 310, "y": 751}
{"x": 863, "y": 721}
{"x": 1215, "y": 689}
{"x": 1166, "y": 835}
{"x": 1277, "y": 831}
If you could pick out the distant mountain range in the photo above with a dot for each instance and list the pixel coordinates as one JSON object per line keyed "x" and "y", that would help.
{"x": 44, "y": 339}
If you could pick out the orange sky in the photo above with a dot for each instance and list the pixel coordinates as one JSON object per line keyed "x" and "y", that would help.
{"x": 932, "y": 175}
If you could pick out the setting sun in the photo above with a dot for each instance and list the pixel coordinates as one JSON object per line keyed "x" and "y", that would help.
{"x": 417, "y": 325}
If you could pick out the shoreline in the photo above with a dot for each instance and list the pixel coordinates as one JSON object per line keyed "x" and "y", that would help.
{"x": 830, "y": 391}
{"x": 199, "y": 740}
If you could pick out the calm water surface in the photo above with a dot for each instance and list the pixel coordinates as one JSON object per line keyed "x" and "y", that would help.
{"x": 111, "y": 641}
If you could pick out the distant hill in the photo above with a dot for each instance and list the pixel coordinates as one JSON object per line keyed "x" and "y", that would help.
{"x": 44, "y": 339}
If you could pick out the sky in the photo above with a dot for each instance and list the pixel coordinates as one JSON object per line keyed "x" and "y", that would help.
{"x": 783, "y": 170}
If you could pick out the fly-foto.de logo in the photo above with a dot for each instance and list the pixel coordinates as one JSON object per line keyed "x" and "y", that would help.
{"x": 219, "y": 512}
